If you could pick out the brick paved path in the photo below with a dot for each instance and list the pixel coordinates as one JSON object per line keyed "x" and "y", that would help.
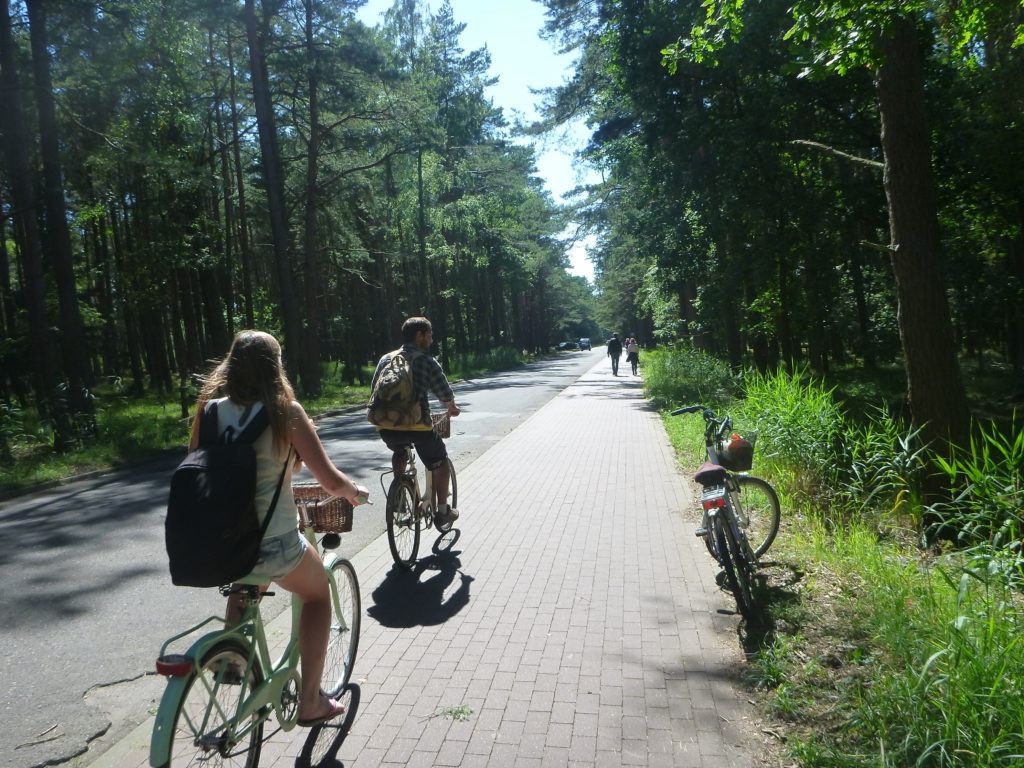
{"x": 576, "y": 616}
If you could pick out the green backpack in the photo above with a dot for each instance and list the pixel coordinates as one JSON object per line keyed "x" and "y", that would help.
{"x": 393, "y": 404}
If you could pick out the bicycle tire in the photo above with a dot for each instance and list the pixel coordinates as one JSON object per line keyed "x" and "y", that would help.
{"x": 736, "y": 574}
{"x": 453, "y": 496}
{"x": 709, "y": 536}
{"x": 204, "y": 718}
{"x": 343, "y": 642}
{"x": 404, "y": 522}
{"x": 757, "y": 508}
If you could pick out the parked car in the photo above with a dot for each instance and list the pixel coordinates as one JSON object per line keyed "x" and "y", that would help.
{"x": 566, "y": 345}
{"x": 584, "y": 343}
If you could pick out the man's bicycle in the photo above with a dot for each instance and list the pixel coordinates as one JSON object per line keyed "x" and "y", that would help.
{"x": 410, "y": 509}
{"x": 224, "y": 688}
{"x": 741, "y": 513}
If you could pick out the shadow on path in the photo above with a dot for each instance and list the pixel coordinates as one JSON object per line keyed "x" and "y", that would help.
{"x": 423, "y": 596}
{"x": 321, "y": 747}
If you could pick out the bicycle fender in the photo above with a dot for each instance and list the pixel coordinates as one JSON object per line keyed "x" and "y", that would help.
{"x": 330, "y": 560}
{"x": 163, "y": 725}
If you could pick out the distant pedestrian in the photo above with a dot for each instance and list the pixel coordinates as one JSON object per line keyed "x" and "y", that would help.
{"x": 633, "y": 354}
{"x": 615, "y": 352}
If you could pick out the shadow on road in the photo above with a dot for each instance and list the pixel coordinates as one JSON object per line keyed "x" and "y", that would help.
{"x": 322, "y": 744}
{"x": 426, "y": 595}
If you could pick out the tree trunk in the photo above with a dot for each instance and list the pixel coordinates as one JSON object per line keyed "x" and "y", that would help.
{"x": 785, "y": 318}
{"x": 1015, "y": 320}
{"x": 867, "y": 351}
{"x": 213, "y": 313}
{"x": 72, "y": 339}
{"x": 245, "y": 255}
{"x": 9, "y": 316}
{"x": 46, "y": 375}
{"x": 272, "y": 176}
{"x": 131, "y": 327}
{"x": 935, "y": 391}
{"x": 111, "y": 361}
{"x": 423, "y": 293}
{"x": 311, "y": 273}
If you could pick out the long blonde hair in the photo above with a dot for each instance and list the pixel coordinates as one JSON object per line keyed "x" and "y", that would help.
{"x": 252, "y": 373}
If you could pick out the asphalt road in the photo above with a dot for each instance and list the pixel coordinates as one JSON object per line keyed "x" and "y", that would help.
{"x": 85, "y": 596}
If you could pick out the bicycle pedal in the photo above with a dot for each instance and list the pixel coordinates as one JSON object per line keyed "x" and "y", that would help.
{"x": 701, "y": 532}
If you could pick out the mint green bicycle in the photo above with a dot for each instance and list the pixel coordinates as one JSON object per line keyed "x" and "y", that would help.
{"x": 226, "y": 686}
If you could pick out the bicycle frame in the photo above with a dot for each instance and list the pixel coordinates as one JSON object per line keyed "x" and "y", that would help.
{"x": 424, "y": 495}
{"x": 251, "y": 634}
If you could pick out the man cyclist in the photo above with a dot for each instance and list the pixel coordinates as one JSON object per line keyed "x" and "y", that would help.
{"x": 427, "y": 375}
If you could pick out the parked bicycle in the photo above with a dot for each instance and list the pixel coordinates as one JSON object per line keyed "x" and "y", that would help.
{"x": 410, "y": 509}
{"x": 741, "y": 513}
{"x": 224, "y": 688}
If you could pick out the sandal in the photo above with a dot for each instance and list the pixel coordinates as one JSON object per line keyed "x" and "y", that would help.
{"x": 335, "y": 709}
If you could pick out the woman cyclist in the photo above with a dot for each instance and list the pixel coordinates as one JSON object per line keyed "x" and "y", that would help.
{"x": 249, "y": 378}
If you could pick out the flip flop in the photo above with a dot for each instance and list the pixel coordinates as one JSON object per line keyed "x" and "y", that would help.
{"x": 337, "y": 709}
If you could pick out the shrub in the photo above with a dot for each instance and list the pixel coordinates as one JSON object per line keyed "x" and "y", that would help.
{"x": 882, "y": 464}
{"x": 987, "y": 483}
{"x": 800, "y": 428}
{"x": 682, "y": 375}
{"x": 497, "y": 359}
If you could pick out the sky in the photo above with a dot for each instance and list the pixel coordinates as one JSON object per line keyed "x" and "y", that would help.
{"x": 521, "y": 60}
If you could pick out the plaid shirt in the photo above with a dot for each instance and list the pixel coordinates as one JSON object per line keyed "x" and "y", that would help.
{"x": 427, "y": 376}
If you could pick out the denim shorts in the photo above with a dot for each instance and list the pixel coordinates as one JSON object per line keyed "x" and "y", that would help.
{"x": 279, "y": 556}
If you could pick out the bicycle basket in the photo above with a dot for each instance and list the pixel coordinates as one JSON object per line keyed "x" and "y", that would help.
{"x": 737, "y": 455}
{"x": 442, "y": 423}
{"x": 321, "y": 511}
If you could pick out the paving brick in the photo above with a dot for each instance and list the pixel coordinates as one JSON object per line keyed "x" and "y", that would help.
{"x": 593, "y": 632}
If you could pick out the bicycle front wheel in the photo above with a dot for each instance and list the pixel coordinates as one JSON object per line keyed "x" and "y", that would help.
{"x": 757, "y": 508}
{"x": 737, "y": 573}
{"x": 346, "y": 615}
{"x": 404, "y": 522}
{"x": 205, "y": 732}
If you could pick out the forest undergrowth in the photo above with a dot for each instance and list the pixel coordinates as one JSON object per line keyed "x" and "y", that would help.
{"x": 131, "y": 428}
{"x": 877, "y": 648}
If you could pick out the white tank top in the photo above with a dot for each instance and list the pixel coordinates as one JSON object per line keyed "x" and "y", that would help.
{"x": 269, "y": 464}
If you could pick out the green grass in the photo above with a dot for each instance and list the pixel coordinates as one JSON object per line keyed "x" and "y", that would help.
{"x": 909, "y": 662}
{"x": 682, "y": 375}
{"x": 497, "y": 359}
{"x": 134, "y": 428}
{"x": 128, "y": 429}
{"x": 877, "y": 653}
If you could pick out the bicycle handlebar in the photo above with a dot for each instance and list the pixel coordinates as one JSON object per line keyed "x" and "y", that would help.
{"x": 714, "y": 426}
{"x": 688, "y": 409}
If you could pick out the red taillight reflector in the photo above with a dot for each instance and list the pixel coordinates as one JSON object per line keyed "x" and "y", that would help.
{"x": 174, "y": 665}
{"x": 715, "y": 503}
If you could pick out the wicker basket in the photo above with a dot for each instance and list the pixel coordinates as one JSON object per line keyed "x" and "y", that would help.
{"x": 321, "y": 511}
{"x": 442, "y": 423}
{"x": 738, "y": 456}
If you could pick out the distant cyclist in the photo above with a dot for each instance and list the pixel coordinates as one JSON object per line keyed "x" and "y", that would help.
{"x": 615, "y": 352}
{"x": 400, "y": 408}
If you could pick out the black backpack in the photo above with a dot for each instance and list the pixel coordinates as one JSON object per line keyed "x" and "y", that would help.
{"x": 212, "y": 530}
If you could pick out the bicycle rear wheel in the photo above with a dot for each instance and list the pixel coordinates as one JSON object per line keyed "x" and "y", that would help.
{"x": 757, "y": 509}
{"x": 737, "y": 573}
{"x": 453, "y": 496}
{"x": 203, "y": 731}
{"x": 346, "y": 615}
{"x": 404, "y": 522}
